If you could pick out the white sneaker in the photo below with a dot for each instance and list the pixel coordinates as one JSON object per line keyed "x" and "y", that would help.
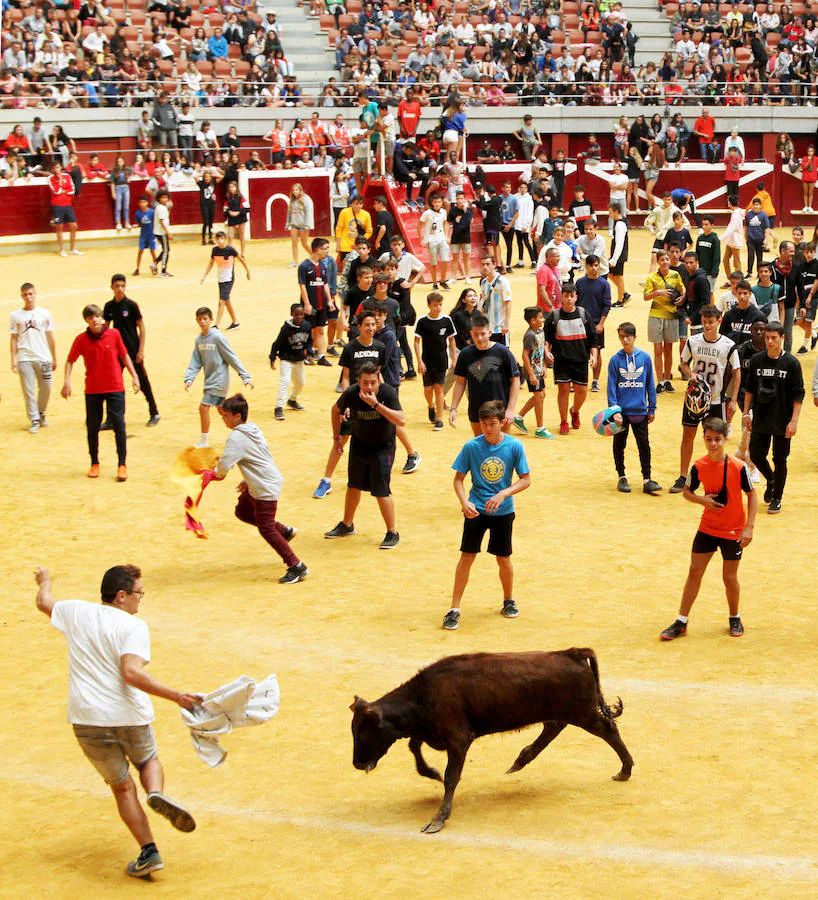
{"x": 292, "y": 265}
{"x": 118, "y": 227}
{"x": 34, "y": 428}
{"x": 467, "y": 280}
{"x": 202, "y": 445}
{"x": 76, "y": 253}
{"x": 63, "y": 253}
{"x": 755, "y": 475}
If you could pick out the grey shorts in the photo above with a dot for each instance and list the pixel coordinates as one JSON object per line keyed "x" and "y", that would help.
{"x": 438, "y": 252}
{"x": 109, "y": 749}
{"x": 662, "y": 331}
{"x": 460, "y": 248}
{"x": 812, "y": 308}
{"x": 211, "y": 399}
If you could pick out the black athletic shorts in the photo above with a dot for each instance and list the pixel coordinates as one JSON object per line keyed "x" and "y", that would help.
{"x": 433, "y": 376}
{"x": 499, "y": 529}
{"x": 716, "y": 409}
{"x": 318, "y": 318}
{"x": 570, "y": 371}
{"x": 371, "y": 473}
{"x": 492, "y": 238}
{"x": 224, "y": 290}
{"x": 658, "y": 244}
{"x": 332, "y": 315}
{"x": 63, "y": 215}
{"x": 618, "y": 268}
{"x": 600, "y": 339}
{"x": 708, "y": 543}
{"x": 538, "y": 386}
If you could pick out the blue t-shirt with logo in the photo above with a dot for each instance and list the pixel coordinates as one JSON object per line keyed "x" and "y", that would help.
{"x": 492, "y": 467}
{"x": 144, "y": 219}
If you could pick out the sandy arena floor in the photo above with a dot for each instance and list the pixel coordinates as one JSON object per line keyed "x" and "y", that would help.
{"x": 721, "y": 803}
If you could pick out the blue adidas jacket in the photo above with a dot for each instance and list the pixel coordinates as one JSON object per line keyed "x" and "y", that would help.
{"x": 631, "y": 384}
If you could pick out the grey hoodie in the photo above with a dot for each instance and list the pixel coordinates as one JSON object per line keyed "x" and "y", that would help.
{"x": 247, "y": 448}
{"x": 213, "y": 354}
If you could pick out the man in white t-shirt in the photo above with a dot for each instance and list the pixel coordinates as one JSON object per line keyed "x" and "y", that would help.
{"x": 33, "y": 354}
{"x": 108, "y": 706}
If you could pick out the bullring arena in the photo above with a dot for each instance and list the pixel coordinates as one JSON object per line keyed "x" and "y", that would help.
{"x": 720, "y": 803}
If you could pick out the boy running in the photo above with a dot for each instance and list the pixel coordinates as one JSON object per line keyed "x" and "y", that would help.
{"x": 491, "y": 459}
{"x": 224, "y": 257}
{"x": 434, "y": 347}
{"x": 534, "y": 368}
{"x": 246, "y": 448}
{"x": 631, "y": 387}
{"x": 212, "y": 353}
{"x": 724, "y": 525}
{"x": 292, "y": 347}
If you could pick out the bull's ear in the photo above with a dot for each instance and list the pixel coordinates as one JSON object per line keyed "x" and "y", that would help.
{"x": 357, "y": 704}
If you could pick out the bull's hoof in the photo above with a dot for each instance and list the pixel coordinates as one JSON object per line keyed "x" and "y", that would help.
{"x": 434, "y": 775}
{"x": 434, "y": 826}
{"x": 621, "y": 776}
{"x": 514, "y": 768}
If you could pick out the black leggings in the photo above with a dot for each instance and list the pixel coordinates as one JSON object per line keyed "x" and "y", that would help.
{"x": 753, "y": 252}
{"x": 208, "y": 209}
{"x": 508, "y": 237}
{"x": 640, "y": 433}
{"x": 116, "y": 416}
{"x": 523, "y": 240}
{"x": 164, "y": 256}
{"x": 759, "y": 448}
{"x": 145, "y": 388}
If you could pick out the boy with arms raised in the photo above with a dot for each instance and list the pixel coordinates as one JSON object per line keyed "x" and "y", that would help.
{"x": 491, "y": 459}
{"x": 724, "y": 524}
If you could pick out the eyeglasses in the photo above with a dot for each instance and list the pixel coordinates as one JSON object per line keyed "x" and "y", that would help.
{"x": 139, "y": 594}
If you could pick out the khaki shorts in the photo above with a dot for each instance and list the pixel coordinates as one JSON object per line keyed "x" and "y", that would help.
{"x": 461, "y": 248}
{"x": 438, "y": 252}
{"x": 109, "y": 749}
{"x": 662, "y": 331}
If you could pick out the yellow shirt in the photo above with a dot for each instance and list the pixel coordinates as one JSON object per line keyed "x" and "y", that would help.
{"x": 347, "y": 230}
{"x": 766, "y": 203}
{"x": 663, "y": 307}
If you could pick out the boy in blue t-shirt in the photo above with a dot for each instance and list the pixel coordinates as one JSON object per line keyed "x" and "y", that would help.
{"x": 490, "y": 459}
{"x": 144, "y": 218}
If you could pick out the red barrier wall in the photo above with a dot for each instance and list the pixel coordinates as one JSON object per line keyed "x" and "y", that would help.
{"x": 268, "y": 194}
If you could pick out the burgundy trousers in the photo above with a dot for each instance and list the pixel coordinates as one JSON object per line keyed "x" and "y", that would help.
{"x": 262, "y": 514}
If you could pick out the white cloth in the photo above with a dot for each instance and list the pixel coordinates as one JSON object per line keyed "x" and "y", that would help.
{"x": 234, "y": 705}
{"x": 98, "y": 636}
{"x": 30, "y": 326}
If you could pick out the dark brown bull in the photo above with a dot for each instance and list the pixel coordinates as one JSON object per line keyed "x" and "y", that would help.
{"x": 460, "y": 698}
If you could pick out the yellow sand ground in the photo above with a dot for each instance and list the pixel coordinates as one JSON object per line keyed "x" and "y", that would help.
{"x": 721, "y": 803}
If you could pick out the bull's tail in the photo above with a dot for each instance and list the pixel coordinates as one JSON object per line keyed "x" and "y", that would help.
{"x": 586, "y": 654}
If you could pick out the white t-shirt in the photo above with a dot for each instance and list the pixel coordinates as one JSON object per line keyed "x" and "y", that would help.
{"x": 711, "y": 360}
{"x": 433, "y": 222}
{"x": 618, "y": 185}
{"x": 161, "y": 220}
{"x": 407, "y": 264}
{"x": 98, "y": 636}
{"x": 30, "y": 326}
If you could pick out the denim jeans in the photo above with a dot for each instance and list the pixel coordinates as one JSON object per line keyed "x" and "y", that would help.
{"x": 122, "y": 204}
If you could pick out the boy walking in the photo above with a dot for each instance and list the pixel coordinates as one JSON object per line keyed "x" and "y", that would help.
{"x": 631, "y": 387}
{"x": 534, "y": 368}
{"x": 491, "y": 459}
{"x": 435, "y": 347}
{"x": 212, "y": 353}
{"x": 145, "y": 218}
{"x": 33, "y": 354}
{"x": 724, "y": 524}
{"x": 104, "y": 355}
{"x": 495, "y": 293}
{"x": 594, "y": 296}
{"x": 432, "y": 233}
{"x": 246, "y": 448}
{"x": 224, "y": 257}
{"x": 313, "y": 282}
{"x": 161, "y": 228}
{"x": 292, "y": 347}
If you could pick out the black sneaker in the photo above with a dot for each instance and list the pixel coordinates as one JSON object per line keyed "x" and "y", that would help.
{"x": 106, "y": 426}
{"x": 622, "y": 486}
{"x": 651, "y": 487}
{"x": 390, "y": 541}
{"x": 233, "y": 326}
{"x": 332, "y": 352}
{"x": 144, "y": 865}
{"x": 340, "y": 531}
{"x": 432, "y": 414}
{"x": 660, "y": 388}
{"x": 510, "y": 610}
{"x": 677, "y": 629}
{"x": 444, "y": 285}
{"x": 411, "y": 375}
{"x": 669, "y": 389}
{"x": 177, "y": 815}
{"x": 438, "y": 425}
{"x": 625, "y": 297}
{"x": 774, "y": 507}
{"x": 802, "y": 350}
{"x": 435, "y": 287}
{"x": 294, "y": 404}
{"x": 768, "y": 493}
{"x": 412, "y": 462}
{"x": 678, "y": 485}
{"x": 323, "y": 361}
{"x": 279, "y": 414}
{"x": 294, "y": 574}
{"x": 813, "y": 341}
{"x": 451, "y": 620}
{"x": 736, "y": 628}
{"x": 152, "y": 422}
{"x": 289, "y": 533}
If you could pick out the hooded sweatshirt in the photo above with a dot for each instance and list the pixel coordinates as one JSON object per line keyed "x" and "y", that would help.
{"x": 212, "y": 353}
{"x": 293, "y": 342}
{"x": 246, "y": 448}
{"x": 630, "y": 383}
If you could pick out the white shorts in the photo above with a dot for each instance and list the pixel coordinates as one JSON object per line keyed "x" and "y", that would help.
{"x": 450, "y": 136}
{"x": 438, "y": 252}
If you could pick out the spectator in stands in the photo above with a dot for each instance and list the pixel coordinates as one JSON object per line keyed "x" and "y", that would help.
{"x": 453, "y": 126}
{"x": 217, "y": 47}
{"x": 165, "y": 120}
{"x": 705, "y": 130}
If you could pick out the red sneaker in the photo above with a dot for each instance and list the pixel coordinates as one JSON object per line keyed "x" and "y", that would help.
{"x": 564, "y": 429}
{"x": 93, "y": 472}
{"x": 574, "y": 418}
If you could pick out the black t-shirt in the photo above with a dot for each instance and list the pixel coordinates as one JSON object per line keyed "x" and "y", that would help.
{"x": 355, "y": 354}
{"x": 355, "y": 297}
{"x": 776, "y": 384}
{"x": 805, "y": 275}
{"x": 737, "y": 323}
{"x": 124, "y": 316}
{"x": 386, "y": 219}
{"x": 207, "y": 192}
{"x": 371, "y": 432}
{"x": 461, "y": 225}
{"x": 314, "y": 278}
{"x": 746, "y": 352}
{"x": 393, "y": 319}
{"x": 571, "y": 335}
{"x": 403, "y": 297}
{"x": 490, "y": 207}
{"x": 434, "y": 335}
{"x": 461, "y": 318}
{"x": 488, "y": 375}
